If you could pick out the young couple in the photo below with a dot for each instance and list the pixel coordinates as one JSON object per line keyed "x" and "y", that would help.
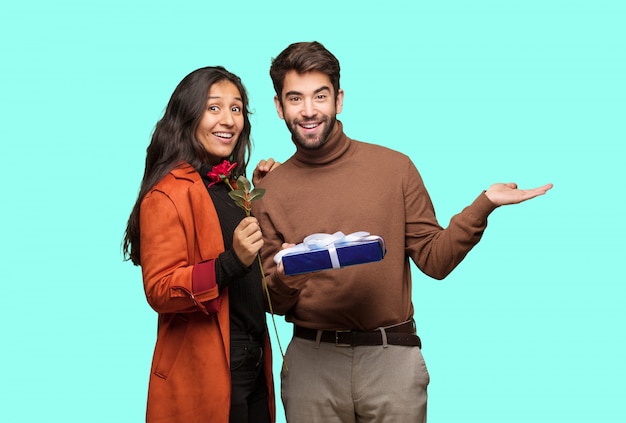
{"x": 198, "y": 253}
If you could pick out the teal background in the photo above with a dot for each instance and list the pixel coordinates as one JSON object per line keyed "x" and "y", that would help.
{"x": 530, "y": 327}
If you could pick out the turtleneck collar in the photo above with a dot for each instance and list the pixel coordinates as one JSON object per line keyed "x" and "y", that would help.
{"x": 334, "y": 148}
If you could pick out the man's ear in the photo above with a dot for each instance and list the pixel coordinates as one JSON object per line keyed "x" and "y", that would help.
{"x": 339, "y": 101}
{"x": 279, "y": 107}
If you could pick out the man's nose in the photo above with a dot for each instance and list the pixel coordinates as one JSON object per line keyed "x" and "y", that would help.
{"x": 308, "y": 108}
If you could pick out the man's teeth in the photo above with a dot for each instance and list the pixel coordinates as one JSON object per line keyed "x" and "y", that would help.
{"x": 309, "y": 125}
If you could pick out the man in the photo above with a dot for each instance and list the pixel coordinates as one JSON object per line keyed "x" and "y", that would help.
{"x": 355, "y": 355}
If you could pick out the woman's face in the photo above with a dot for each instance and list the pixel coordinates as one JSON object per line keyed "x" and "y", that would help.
{"x": 222, "y": 122}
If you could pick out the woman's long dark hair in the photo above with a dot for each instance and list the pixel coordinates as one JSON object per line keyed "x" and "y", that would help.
{"x": 174, "y": 141}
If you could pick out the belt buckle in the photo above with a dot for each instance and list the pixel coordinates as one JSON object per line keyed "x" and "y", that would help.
{"x": 341, "y": 344}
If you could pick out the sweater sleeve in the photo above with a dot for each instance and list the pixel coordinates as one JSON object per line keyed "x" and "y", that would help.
{"x": 228, "y": 268}
{"x": 437, "y": 251}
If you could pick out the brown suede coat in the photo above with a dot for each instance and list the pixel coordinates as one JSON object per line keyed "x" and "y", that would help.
{"x": 190, "y": 376}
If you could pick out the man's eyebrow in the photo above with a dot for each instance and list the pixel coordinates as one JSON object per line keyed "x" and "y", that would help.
{"x": 292, "y": 92}
{"x": 317, "y": 91}
{"x": 320, "y": 89}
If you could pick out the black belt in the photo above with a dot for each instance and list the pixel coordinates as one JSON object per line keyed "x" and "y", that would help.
{"x": 403, "y": 334}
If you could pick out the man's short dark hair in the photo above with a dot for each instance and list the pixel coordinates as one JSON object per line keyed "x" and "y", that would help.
{"x": 304, "y": 57}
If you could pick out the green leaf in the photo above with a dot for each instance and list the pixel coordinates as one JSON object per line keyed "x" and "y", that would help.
{"x": 243, "y": 183}
{"x": 237, "y": 195}
{"x": 256, "y": 194}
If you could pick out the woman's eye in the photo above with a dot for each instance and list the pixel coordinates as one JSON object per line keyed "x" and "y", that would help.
{"x": 213, "y": 108}
{"x": 237, "y": 109}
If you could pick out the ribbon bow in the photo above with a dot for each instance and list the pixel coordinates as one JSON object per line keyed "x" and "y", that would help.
{"x": 322, "y": 241}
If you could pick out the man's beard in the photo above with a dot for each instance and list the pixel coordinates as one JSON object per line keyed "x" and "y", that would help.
{"x": 305, "y": 143}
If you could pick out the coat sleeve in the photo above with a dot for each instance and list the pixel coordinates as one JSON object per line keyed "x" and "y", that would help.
{"x": 166, "y": 259}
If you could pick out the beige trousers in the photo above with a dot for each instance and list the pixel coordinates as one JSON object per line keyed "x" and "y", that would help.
{"x": 369, "y": 384}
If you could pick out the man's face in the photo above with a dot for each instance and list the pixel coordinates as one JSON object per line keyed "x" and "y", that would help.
{"x": 308, "y": 107}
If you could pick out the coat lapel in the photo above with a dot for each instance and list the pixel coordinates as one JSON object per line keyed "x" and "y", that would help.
{"x": 208, "y": 233}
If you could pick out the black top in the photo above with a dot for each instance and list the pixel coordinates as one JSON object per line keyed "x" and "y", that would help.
{"x": 245, "y": 287}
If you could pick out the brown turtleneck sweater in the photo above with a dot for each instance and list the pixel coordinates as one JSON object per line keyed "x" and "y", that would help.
{"x": 351, "y": 186}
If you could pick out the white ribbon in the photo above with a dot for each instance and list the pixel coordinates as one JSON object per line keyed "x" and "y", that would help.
{"x": 330, "y": 242}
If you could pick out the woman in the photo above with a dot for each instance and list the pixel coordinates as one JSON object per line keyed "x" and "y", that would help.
{"x": 197, "y": 250}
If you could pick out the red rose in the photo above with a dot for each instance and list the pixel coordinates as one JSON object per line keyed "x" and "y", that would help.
{"x": 220, "y": 172}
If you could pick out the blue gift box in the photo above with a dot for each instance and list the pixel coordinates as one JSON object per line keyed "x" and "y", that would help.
{"x": 332, "y": 252}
